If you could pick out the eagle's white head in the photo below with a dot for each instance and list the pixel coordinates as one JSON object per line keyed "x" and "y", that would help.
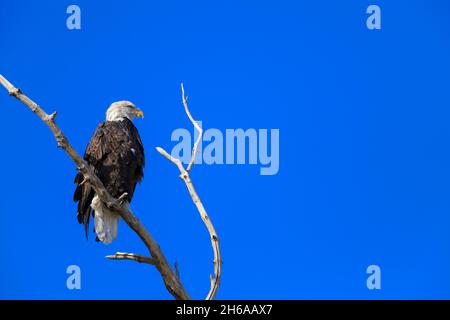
{"x": 123, "y": 109}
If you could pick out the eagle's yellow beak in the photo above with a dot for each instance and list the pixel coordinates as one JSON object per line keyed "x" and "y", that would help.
{"x": 139, "y": 113}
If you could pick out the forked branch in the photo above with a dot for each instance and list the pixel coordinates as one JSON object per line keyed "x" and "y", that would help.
{"x": 184, "y": 175}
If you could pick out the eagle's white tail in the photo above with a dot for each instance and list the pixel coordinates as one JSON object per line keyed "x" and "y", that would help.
{"x": 105, "y": 221}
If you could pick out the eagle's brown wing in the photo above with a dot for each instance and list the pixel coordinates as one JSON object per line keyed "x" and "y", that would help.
{"x": 116, "y": 154}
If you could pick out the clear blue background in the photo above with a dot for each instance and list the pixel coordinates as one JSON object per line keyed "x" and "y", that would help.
{"x": 364, "y": 160}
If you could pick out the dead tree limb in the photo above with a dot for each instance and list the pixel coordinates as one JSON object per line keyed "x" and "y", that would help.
{"x": 184, "y": 175}
{"x": 132, "y": 256}
{"x": 171, "y": 281}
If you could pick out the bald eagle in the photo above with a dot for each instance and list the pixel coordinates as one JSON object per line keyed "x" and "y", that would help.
{"x": 116, "y": 155}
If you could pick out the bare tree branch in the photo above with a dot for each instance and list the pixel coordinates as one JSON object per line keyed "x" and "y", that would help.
{"x": 215, "y": 280}
{"x": 196, "y": 125}
{"x": 132, "y": 256}
{"x": 171, "y": 281}
{"x": 177, "y": 270}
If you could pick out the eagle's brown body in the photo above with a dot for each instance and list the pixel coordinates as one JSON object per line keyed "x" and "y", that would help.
{"x": 116, "y": 155}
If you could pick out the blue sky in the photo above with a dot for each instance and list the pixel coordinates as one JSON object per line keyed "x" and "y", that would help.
{"x": 364, "y": 165}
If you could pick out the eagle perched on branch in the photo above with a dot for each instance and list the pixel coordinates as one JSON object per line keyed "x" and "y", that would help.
{"x": 116, "y": 155}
